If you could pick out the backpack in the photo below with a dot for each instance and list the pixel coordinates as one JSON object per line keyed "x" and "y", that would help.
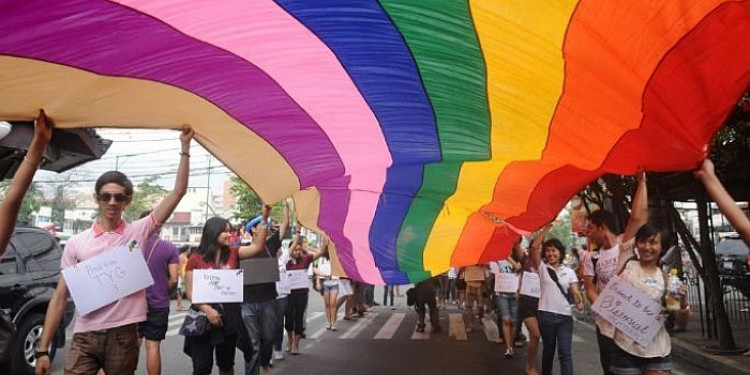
{"x": 411, "y": 296}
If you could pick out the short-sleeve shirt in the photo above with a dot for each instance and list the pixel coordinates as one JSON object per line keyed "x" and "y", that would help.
{"x": 606, "y": 268}
{"x": 552, "y": 299}
{"x": 504, "y": 267}
{"x": 164, "y": 254}
{"x": 231, "y": 315}
{"x": 95, "y": 241}
{"x": 302, "y": 264}
{"x": 267, "y": 291}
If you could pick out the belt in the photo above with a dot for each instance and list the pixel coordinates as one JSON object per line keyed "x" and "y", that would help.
{"x": 125, "y": 328}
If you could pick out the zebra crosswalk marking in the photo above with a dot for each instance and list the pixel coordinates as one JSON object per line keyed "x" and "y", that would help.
{"x": 456, "y": 328}
{"x": 390, "y": 327}
{"x": 361, "y": 324}
{"x": 491, "y": 330}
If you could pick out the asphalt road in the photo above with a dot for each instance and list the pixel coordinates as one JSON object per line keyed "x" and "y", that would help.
{"x": 384, "y": 342}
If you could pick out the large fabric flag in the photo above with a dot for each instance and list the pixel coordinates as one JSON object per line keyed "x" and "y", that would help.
{"x": 418, "y": 135}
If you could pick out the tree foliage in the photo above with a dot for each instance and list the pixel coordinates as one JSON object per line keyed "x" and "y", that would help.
{"x": 247, "y": 203}
{"x": 145, "y": 196}
{"x": 31, "y": 203}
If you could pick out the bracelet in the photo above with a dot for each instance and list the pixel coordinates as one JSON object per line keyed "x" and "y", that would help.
{"x": 41, "y": 353}
{"x": 184, "y": 154}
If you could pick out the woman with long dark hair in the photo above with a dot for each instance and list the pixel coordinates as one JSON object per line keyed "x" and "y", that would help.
{"x": 215, "y": 252}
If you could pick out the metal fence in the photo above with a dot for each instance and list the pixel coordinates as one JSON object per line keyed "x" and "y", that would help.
{"x": 736, "y": 297}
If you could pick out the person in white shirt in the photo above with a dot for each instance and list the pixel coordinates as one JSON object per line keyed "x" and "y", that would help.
{"x": 558, "y": 282}
{"x": 506, "y": 287}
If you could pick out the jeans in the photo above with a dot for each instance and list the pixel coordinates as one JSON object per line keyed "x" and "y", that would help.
{"x": 278, "y": 334}
{"x": 260, "y": 321}
{"x": 557, "y": 331}
{"x": 387, "y": 290}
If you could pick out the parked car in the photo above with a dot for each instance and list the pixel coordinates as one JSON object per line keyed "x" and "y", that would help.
{"x": 734, "y": 264}
{"x": 732, "y": 254}
{"x": 29, "y": 272}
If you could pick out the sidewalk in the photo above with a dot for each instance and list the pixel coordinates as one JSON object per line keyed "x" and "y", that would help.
{"x": 688, "y": 346}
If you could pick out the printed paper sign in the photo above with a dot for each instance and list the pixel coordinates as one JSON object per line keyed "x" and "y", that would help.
{"x": 629, "y": 310}
{"x": 298, "y": 279}
{"x": 217, "y": 286}
{"x": 506, "y": 282}
{"x": 530, "y": 285}
{"x": 282, "y": 286}
{"x": 106, "y": 278}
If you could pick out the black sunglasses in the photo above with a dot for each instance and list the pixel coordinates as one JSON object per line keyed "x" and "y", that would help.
{"x": 106, "y": 197}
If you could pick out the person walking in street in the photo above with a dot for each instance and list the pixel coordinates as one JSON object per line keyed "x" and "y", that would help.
{"x": 215, "y": 252}
{"x": 11, "y": 204}
{"x": 558, "y": 284}
{"x": 505, "y": 289}
{"x": 529, "y": 291}
{"x": 259, "y": 300}
{"x": 425, "y": 298}
{"x": 645, "y": 275}
{"x": 601, "y": 265}
{"x": 183, "y": 257}
{"x": 388, "y": 290}
{"x": 322, "y": 269}
{"x": 474, "y": 277}
{"x": 162, "y": 261}
{"x": 107, "y": 338}
{"x": 301, "y": 257}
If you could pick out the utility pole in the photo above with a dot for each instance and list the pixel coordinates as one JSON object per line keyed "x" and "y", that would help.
{"x": 208, "y": 184}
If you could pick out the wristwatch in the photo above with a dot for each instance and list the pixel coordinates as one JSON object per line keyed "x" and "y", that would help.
{"x": 40, "y": 353}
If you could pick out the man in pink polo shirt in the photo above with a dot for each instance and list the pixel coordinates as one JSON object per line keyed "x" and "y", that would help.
{"x": 107, "y": 338}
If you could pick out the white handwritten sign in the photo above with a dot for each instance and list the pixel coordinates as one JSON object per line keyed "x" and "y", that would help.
{"x": 629, "y": 310}
{"x": 298, "y": 279}
{"x": 217, "y": 286}
{"x": 506, "y": 282}
{"x": 530, "y": 285}
{"x": 106, "y": 278}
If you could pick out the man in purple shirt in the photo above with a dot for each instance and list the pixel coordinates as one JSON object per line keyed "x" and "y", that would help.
{"x": 162, "y": 259}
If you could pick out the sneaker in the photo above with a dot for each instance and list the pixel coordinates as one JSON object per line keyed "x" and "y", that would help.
{"x": 333, "y": 328}
{"x": 393, "y": 307}
{"x": 519, "y": 343}
{"x": 469, "y": 330}
{"x": 420, "y": 329}
{"x": 278, "y": 355}
{"x": 509, "y": 353}
{"x": 328, "y": 327}
{"x": 437, "y": 329}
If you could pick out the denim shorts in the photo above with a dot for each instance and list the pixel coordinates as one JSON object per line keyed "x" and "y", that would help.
{"x": 626, "y": 363}
{"x": 507, "y": 305}
{"x": 329, "y": 286}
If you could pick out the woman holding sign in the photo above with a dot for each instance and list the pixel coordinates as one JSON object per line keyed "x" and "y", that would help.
{"x": 646, "y": 276}
{"x": 300, "y": 259}
{"x": 506, "y": 286}
{"x": 225, "y": 320}
{"x": 558, "y": 283}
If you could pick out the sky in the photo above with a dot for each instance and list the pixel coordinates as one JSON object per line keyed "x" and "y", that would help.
{"x": 141, "y": 154}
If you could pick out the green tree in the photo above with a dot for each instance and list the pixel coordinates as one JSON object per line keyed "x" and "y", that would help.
{"x": 31, "y": 201}
{"x": 247, "y": 203}
{"x": 145, "y": 196}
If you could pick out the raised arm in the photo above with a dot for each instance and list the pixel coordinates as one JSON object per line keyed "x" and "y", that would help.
{"x": 22, "y": 180}
{"x": 639, "y": 209}
{"x": 318, "y": 252}
{"x": 284, "y": 227}
{"x": 164, "y": 209}
{"x": 257, "y": 245}
{"x": 726, "y": 203}
{"x": 535, "y": 250}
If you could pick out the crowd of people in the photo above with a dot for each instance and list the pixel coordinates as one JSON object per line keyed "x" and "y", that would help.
{"x": 532, "y": 286}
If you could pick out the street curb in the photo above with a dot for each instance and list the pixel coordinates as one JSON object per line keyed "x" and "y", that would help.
{"x": 715, "y": 364}
{"x": 692, "y": 354}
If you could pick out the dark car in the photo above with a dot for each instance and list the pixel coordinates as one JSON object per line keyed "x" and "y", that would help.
{"x": 29, "y": 272}
{"x": 734, "y": 270}
{"x": 732, "y": 254}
